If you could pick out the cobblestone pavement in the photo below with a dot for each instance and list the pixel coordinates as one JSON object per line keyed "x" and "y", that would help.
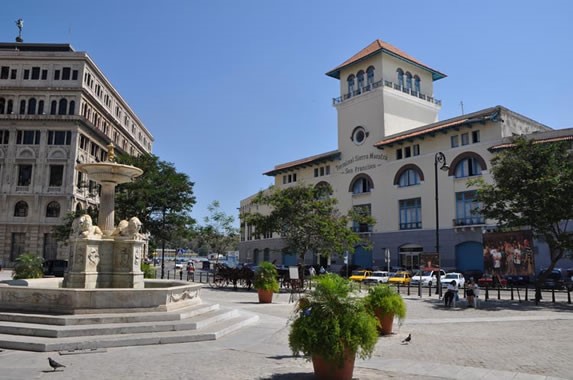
{"x": 499, "y": 340}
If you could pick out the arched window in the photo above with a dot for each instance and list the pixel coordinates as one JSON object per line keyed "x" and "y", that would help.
{"x": 350, "y": 82}
{"x": 468, "y": 167}
{"x": 10, "y": 107}
{"x": 72, "y": 107}
{"x": 400, "y": 74}
{"x": 361, "y": 184}
{"x": 360, "y": 78}
{"x": 2, "y": 106}
{"x": 408, "y": 81}
{"x": 53, "y": 210}
{"x": 417, "y": 83}
{"x": 323, "y": 190}
{"x": 266, "y": 254}
{"x": 32, "y": 106}
{"x": 21, "y": 209}
{"x": 63, "y": 108}
{"x": 22, "y": 107}
{"x": 409, "y": 177}
{"x": 78, "y": 207}
{"x": 53, "y": 107}
{"x": 41, "y": 107}
{"x": 370, "y": 76}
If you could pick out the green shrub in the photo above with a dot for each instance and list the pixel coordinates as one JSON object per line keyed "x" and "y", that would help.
{"x": 266, "y": 277}
{"x": 330, "y": 320}
{"x": 28, "y": 265}
{"x": 385, "y": 298}
{"x": 148, "y": 270}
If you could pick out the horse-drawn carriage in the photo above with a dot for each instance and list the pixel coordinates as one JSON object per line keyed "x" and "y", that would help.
{"x": 239, "y": 276}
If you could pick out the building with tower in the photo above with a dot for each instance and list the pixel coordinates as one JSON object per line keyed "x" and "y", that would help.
{"x": 390, "y": 148}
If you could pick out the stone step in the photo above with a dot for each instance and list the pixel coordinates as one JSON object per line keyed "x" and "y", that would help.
{"x": 191, "y": 321}
{"x": 211, "y": 332}
{"x": 90, "y": 319}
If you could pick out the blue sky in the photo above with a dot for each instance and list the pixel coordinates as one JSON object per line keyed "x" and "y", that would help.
{"x": 231, "y": 88}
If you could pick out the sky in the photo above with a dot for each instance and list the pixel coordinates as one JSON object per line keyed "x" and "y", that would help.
{"x": 231, "y": 88}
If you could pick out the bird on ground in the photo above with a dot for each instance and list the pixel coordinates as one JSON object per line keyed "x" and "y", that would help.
{"x": 408, "y": 339}
{"x": 54, "y": 364}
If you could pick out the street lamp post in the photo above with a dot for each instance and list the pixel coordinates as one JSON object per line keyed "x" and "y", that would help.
{"x": 439, "y": 159}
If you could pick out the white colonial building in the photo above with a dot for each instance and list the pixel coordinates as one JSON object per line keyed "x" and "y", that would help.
{"x": 57, "y": 109}
{"x": 389, "y": 138}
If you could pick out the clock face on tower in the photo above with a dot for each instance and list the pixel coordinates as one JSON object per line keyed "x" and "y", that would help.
{"x": 359, "y": 135}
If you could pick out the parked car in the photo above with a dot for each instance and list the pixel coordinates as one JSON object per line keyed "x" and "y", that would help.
{"x": 453, "y": 276}
{"x": 377, "y": 277}
{"x": 555, "y": 280}
{"x": 489, "y": 280}
{"x": 402, "y": 278}
{"x": 427, "y": 277}
{"x": 360, "y": 275}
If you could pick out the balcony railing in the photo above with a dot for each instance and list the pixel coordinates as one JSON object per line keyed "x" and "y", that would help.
{"x": 411, "y": 226}
{"x": 470, "y": 221}
{"x": 389, "y": 84}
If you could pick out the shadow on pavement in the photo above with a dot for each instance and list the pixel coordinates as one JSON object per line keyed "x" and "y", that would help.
{"x": 501, "y": 305}
{"x": 290, "y": 376}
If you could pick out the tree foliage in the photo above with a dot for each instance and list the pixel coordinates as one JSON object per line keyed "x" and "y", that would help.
{"x": 161, "y": 198}
{"x": 218, "y": 233}
{"x": 533, "y": 183}
{"x": 307, "y": 219}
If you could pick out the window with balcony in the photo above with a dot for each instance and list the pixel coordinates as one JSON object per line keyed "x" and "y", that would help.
{"x": 361, "y": 184}
{"x": 24, "y": 175}
{"x": 410, "y": 214}
{"x": 370, "y": 76}
{"x": 468, "y": 209}
{"x": 417, "y": 84}
{"x": 56, "y": 175}
{"x": 408, "y": 81}
{"x": 400, "y": 77}
{"x": 360, "y": 79}
{"x": 350, "y": 82}
{"x": 21, "y": 209}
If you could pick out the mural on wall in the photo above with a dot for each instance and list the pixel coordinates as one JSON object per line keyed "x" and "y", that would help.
{"x": 508, "y": 253}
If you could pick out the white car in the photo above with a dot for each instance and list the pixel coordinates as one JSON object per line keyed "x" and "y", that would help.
{"x": 427, "y": 277}
{"x": 453, "y": 276}
{"x": 377, "y": 277}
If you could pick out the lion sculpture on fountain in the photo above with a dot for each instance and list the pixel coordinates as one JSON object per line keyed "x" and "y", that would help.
{"x": 129, "y": 229}
{"x": 83, "y": 227}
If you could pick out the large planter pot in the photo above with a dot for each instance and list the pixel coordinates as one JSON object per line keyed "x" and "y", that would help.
{"x": 265, "y": 296}
{"x": 386, "y": 321}
{"x": 327, "y": 370}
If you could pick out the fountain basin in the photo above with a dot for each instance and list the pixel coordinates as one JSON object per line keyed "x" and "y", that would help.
{"x": 46, "y": 296}
{"x": 108, "y": 172}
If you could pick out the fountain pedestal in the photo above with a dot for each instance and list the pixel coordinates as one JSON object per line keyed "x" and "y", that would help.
{"x": 127, "y": 264}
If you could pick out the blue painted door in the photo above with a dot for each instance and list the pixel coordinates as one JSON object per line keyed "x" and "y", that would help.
{"x": 469, "y": 255}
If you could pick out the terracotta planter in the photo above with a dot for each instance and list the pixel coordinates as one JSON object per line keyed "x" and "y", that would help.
{"x": 265, "y": 296}
{"x": 386, "y": 321}
{"x": 326, "y": 370}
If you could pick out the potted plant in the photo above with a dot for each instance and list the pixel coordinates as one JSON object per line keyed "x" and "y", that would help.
{"x": 266, "y": 282}
{"x": 385, "y": 303}
{"x": 331, "y": 325}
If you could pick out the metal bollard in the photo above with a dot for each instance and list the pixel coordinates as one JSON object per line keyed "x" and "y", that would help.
{"x": 181, "y": 275}
{"x": 511, "y": 288}
{"x": 553, "y": 295}
{"x": 429, "y": 290}
{"x": 486, "y": 292}
{"x": 526, "y": 296}
{"x": 420, "y": 289}
{"x": 499, "y": 292}
{"x": 408, "y": 288}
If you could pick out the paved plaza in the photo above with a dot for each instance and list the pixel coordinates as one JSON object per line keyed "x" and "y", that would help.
{"x": 499, "y": 340}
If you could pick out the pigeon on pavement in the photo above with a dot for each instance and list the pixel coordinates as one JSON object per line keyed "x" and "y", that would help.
{"x": 408, "y": 339}
{"x": 54, "y": 364}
